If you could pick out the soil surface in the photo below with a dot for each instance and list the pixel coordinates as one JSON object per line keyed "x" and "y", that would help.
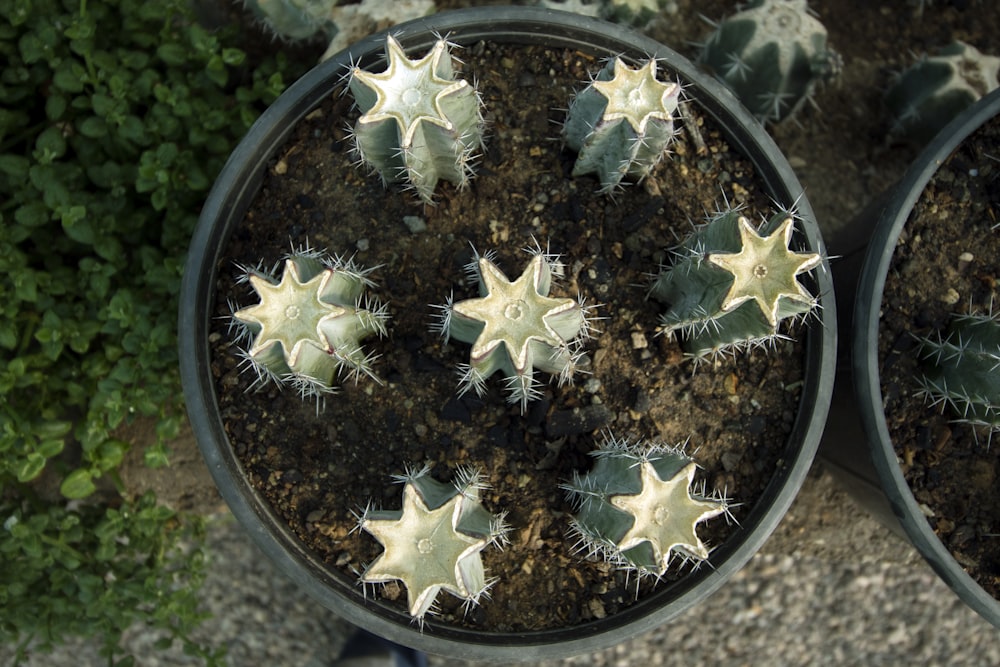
{"x": 947, "y": 262}
{"x": 318, "y": 466}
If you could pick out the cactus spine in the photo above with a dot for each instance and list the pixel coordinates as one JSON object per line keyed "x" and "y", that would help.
{"x": 731, "y": 284}
{"x": 962, "y": 370}
{"x": 636, "y": 508}
{"x": 418, "y": 123}
{"x": 516, "y": 327}
{"x": 308, "y": 327}
{"x": 434, "y": 542}
{"x": 772, "y": 54}
{"x": 621, "y": 124}
{"x": 930, "y": 93}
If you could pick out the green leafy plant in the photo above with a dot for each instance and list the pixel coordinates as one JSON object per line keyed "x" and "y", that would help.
{"x": 116, "y": 117}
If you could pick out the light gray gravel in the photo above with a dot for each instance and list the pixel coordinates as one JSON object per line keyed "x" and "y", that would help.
{"x": 831, "y": 587}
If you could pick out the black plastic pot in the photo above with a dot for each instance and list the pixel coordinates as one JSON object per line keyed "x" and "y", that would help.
{"x": 857, "y": 447}
{"x": 238, "y": 184}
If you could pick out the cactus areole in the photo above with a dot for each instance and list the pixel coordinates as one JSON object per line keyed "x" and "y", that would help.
{"x": 417, "y": 607}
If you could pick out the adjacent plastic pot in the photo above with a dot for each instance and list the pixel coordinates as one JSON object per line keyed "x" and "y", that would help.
{"x": 857, "y": 447}
{"x": 239, "y": 183}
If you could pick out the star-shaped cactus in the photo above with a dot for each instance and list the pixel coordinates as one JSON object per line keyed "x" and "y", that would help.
{"x": 516, "y": 327}
{"x": 772, "y": 54}
{"x": 636, "y": 507}
{"x": 622, "y": 123}
{"x": 935, "y": 89}
{"x": 765, "y": 270}
{"x": 308, "y": 326}
{"x": 665, "y": 515}
{"x": 434, "y": 542}
{"x": 731, "y": 285}
{"x": 419, "y": 123}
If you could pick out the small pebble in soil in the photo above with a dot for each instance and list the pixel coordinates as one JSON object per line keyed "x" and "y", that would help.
{"x": 415, "y": 223}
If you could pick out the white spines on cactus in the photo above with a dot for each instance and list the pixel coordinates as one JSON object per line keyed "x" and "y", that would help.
{"x": 638, "y": 507}
{"x": 434, "y": 542}
{"x": 925, "y": 97}
{"x": 961, "y": 370}
{"x": 515, "y": 327}
{"x": 772, "y": 54}
{"x": 419, "y": 124}
{"x": 621, "y": 124}
{"x": 308, "y": 326}
{"x": 731, "y": 284}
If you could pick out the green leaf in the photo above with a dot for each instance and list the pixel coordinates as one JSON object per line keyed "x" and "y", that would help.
{"x": 34, "y": 214}
{"x": 55, "y": 106}
{"x": 14, "y": 165}
{"x": 69, "y": 76}
{"x": 156, "y": 456}
{"x": 94, "y": 127}
{"x": 31, "y": 467}
{"x": 111, "y": 453}
{"x": 172, "y": 54}
{"x": 78, "y": 484}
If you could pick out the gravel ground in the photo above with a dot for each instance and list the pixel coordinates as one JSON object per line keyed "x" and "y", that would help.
{"x": 831, "y": 587}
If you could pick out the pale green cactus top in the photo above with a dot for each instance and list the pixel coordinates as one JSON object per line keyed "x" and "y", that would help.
{"x": 925, "y": 97}
{"x": 731, "y": 284}
{"x": 636, "y": 508}
{"x": 621, "y": 123}
{"x": 765, "y": 269}
{"x": 772, "y": 54}
{"x": 419, "y": 123}
{"x": 516, "y": 327}
{"x": 434, "y": 542}
{"x": 308, "y": 326}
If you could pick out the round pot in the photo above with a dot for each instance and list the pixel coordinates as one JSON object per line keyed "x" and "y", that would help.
{"x": 857, "y": 447}
{"x": 237, "y": 186}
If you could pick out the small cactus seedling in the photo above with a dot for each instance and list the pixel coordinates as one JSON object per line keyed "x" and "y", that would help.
{"x": 772, "y": 55}
{"x": 308, "y": 326}
{"x": 434, "y": 542}
{"x": 418, "y": 123}
{"x": 620, "y": 124}
{"x": 731, "y": 284}
{"x": 516, "y": 327}
{"x": 636, "y": 507}
{"x": 962, "y": 370}
{"x": 925, "y": 97}
{"x": 295, "y": 19}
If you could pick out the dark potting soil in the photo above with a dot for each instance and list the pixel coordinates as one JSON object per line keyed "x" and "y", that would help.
{"x": 947, "y": 262}
{"x": 317, "y": 467}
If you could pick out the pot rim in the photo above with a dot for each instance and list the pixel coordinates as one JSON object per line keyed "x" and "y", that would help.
{"x": 238, "y": 183}
{"x": 864, "y": 353}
